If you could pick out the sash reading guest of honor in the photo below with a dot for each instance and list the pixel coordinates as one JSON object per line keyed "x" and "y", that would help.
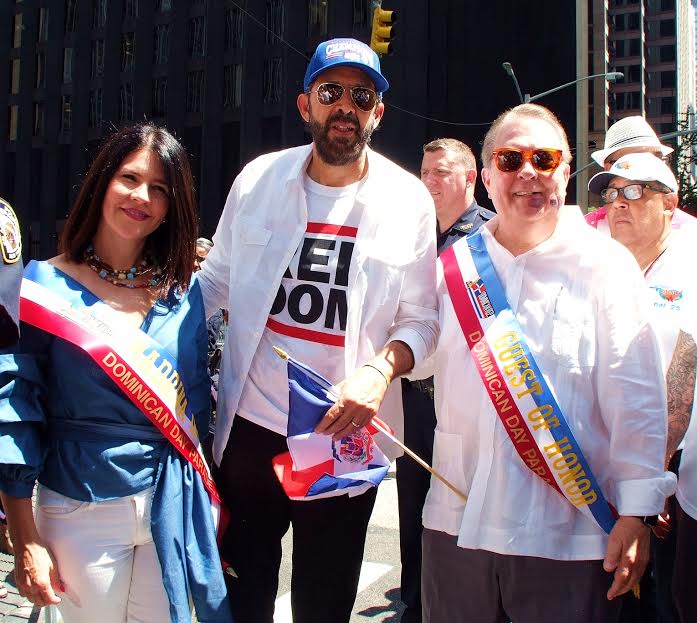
{"x": 523, "y": 400}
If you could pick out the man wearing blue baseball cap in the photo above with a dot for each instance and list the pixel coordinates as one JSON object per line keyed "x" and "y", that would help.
{"x": 326, "y": 251}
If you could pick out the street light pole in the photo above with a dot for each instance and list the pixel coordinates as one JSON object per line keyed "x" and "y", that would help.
{"x": 611, "y": 76}
{"x": 527, "y": 98}
{"x": 508, "y": 68}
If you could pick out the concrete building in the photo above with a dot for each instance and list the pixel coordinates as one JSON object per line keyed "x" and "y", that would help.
{"x": 652, "y": 42}
{"x": 592, "y": 102}
{"x": 685, "y": 57}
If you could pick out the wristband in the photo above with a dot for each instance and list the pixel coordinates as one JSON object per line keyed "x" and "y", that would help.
{"x": 382, "y": 374}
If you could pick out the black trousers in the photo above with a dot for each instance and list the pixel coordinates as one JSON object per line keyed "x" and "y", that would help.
{"x": 685, "y": 571}
{"x": 413, "y": 482}
{"x": 328, "y": 536}
{"x": 655, "y": 604}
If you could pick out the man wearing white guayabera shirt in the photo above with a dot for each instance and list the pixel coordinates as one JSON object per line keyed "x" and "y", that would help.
{"x": 518, "y": 549}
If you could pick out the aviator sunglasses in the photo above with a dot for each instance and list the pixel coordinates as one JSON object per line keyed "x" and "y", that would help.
{"x": 510, "y": 160}
{"x": 330, "y": 93}
{"x": 631, "y": 192}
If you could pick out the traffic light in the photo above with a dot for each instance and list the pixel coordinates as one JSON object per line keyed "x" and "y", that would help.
{"x": 383, "y": 30}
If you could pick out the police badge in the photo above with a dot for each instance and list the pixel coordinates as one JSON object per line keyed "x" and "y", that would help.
{"x": 10, "y": 236}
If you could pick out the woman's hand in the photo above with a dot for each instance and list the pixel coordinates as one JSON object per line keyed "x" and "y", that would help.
{"x": 36, "y": 574}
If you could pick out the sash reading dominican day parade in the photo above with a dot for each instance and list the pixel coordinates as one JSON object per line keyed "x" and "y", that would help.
{"x": 143, "y": 370}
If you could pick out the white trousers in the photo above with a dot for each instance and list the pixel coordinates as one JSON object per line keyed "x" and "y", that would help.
{"x": 106, "y": 558}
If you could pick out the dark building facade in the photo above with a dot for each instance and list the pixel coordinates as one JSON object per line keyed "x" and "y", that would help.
{"x": 224, "y": 75}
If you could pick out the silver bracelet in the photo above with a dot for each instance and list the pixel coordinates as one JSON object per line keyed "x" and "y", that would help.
{"x": 382, "y": 374}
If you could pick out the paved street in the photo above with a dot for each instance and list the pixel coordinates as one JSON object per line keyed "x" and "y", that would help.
{"x": 378, "y": 596}
{"x": 378, "y": 591}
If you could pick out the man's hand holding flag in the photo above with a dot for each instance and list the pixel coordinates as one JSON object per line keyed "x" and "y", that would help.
{"x": 319, "y": 465}
{"x": 349, "y": 461}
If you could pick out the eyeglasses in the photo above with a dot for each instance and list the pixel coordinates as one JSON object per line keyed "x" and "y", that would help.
{"x": 630, "y": 192}
{"x": 330, "y": 93}
{"x": 510, "y": 160}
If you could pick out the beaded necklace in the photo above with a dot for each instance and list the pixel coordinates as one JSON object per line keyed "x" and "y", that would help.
{"x": 124, "y": 278}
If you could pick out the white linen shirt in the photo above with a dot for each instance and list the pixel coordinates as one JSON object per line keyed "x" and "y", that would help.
{"x": 673, "y": 291}
{"x": 391, "y": 292}
{"x": 581, "y": 301}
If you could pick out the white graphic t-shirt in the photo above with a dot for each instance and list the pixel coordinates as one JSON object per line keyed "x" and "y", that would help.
{"x": 308, "y": 316}
{"x": 673, "y": 285}
{"x": 673, "y": 282}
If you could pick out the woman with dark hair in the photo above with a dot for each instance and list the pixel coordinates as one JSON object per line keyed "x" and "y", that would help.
{"x": 103, "y": 399}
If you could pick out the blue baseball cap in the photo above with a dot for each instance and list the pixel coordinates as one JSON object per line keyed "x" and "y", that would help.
{"x": 345, "y": 52}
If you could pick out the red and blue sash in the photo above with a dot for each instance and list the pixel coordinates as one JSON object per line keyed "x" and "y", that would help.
{"x": 514, "y": 383}
{"x": 142, "y": 369}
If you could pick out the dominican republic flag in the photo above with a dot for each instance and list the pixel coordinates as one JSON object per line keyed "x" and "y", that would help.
{"x": 316, "y": 466}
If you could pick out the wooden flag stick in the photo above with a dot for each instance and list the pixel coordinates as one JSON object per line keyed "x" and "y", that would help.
{"x": 383, "y": 429}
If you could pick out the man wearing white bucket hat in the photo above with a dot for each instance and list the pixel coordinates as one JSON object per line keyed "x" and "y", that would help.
{"x": 627, "y": 136}
{"x": 640, "y": 193}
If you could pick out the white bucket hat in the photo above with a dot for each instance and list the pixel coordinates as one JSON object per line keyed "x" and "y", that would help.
{"x": 636, "y": 167}
{"x": 629, "y": 132}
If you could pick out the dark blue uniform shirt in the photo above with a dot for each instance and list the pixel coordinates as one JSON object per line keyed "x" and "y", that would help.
{"x": 472, "y": 219}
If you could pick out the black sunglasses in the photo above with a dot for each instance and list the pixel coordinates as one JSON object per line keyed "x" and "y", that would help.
{"x": 329, "y": 93}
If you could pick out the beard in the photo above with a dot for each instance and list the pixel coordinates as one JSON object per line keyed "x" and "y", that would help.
{"x": 341, "y": 150}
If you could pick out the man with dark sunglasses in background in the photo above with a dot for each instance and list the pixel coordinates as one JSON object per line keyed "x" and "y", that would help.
{"x": 640, "y": 195}
{"x": 544, "y": 327}
{"x": 328, "y": 252}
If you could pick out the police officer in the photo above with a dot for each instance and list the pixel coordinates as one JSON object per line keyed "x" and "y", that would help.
{"x": 10, "y": 281}
{"x": 449, "y": 172}
{"x": 10, "y": 274}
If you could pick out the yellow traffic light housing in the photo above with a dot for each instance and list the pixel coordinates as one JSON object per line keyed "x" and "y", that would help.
{"x": 383, "y": 30}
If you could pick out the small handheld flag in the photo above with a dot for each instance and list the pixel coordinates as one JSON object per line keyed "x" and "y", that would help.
{"x": 308, "y": 461}
{"x": 318, "y": 466}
